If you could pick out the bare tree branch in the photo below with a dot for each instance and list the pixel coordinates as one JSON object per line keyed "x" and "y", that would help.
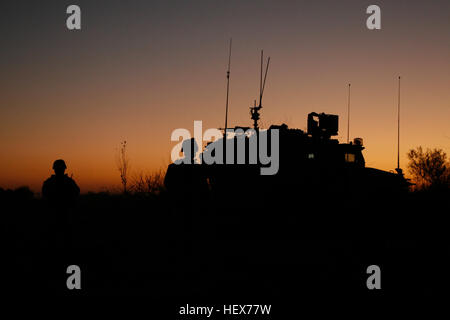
{"x": 123, "y": 165}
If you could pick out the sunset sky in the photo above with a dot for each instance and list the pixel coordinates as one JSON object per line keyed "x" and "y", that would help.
{"x": 137, "y": 70}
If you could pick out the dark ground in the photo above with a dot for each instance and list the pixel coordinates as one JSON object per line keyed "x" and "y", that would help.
{"x": 292, "y": 247}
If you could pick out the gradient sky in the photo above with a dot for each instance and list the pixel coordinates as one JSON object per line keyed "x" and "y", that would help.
{"x": 139, "y": 69}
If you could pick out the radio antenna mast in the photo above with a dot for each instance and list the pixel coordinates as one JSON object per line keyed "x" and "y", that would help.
{"x": 398, "y": 128}
{"x": 228, "y": 89}
{"x": 264, "y": 83}
{"x": 348, "y": 114}
{"x": 254, "y": 111}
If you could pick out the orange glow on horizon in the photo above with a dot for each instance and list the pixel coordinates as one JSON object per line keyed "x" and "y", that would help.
{"x": 129, "y": 77}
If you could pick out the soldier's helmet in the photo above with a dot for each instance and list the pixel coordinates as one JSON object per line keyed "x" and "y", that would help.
{"x": 190, "y": 148}
{"x": 59, "y": 165}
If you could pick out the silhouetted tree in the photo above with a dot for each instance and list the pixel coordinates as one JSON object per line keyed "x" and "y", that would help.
{"x": 430, "y": 168}
{"x": 123, "y": 165}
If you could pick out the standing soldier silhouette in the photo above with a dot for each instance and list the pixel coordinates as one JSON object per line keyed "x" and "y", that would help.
{"x": 185, "y": 179}
{"x": 59, "y": 193}
{"x": 188, "y": 188}
{"x": 60, "y": 189}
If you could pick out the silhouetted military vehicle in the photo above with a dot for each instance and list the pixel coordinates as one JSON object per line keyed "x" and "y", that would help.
{"x": 301, "y": 163}
{"x": 310, "y": 162}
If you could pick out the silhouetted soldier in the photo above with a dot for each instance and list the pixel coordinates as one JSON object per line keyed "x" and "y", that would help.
{"x": 187, "y": 185}
{"x": 185, "y": 178}
{"x": 60, "y": 188}
{"x": 59, "y": 192}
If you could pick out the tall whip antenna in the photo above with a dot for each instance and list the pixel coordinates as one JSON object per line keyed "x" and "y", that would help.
{"x": 348, "y": 114}
{"x": 260, "y": 77}
{"x": 398, "y": 125}
{"x": 264, "y": 82}
{"x": 228, "y": 88}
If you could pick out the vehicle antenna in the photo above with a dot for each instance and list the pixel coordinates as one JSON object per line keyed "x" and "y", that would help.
{"x": 398, "y": 127}
{"x": 348, "y": 114}
{"x": 254, "y": 111}
{"x": 228, "y": 89}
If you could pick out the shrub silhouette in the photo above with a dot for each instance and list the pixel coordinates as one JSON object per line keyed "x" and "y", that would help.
{"x": 148, "y": 183}
{"x": 429, "y": 168}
